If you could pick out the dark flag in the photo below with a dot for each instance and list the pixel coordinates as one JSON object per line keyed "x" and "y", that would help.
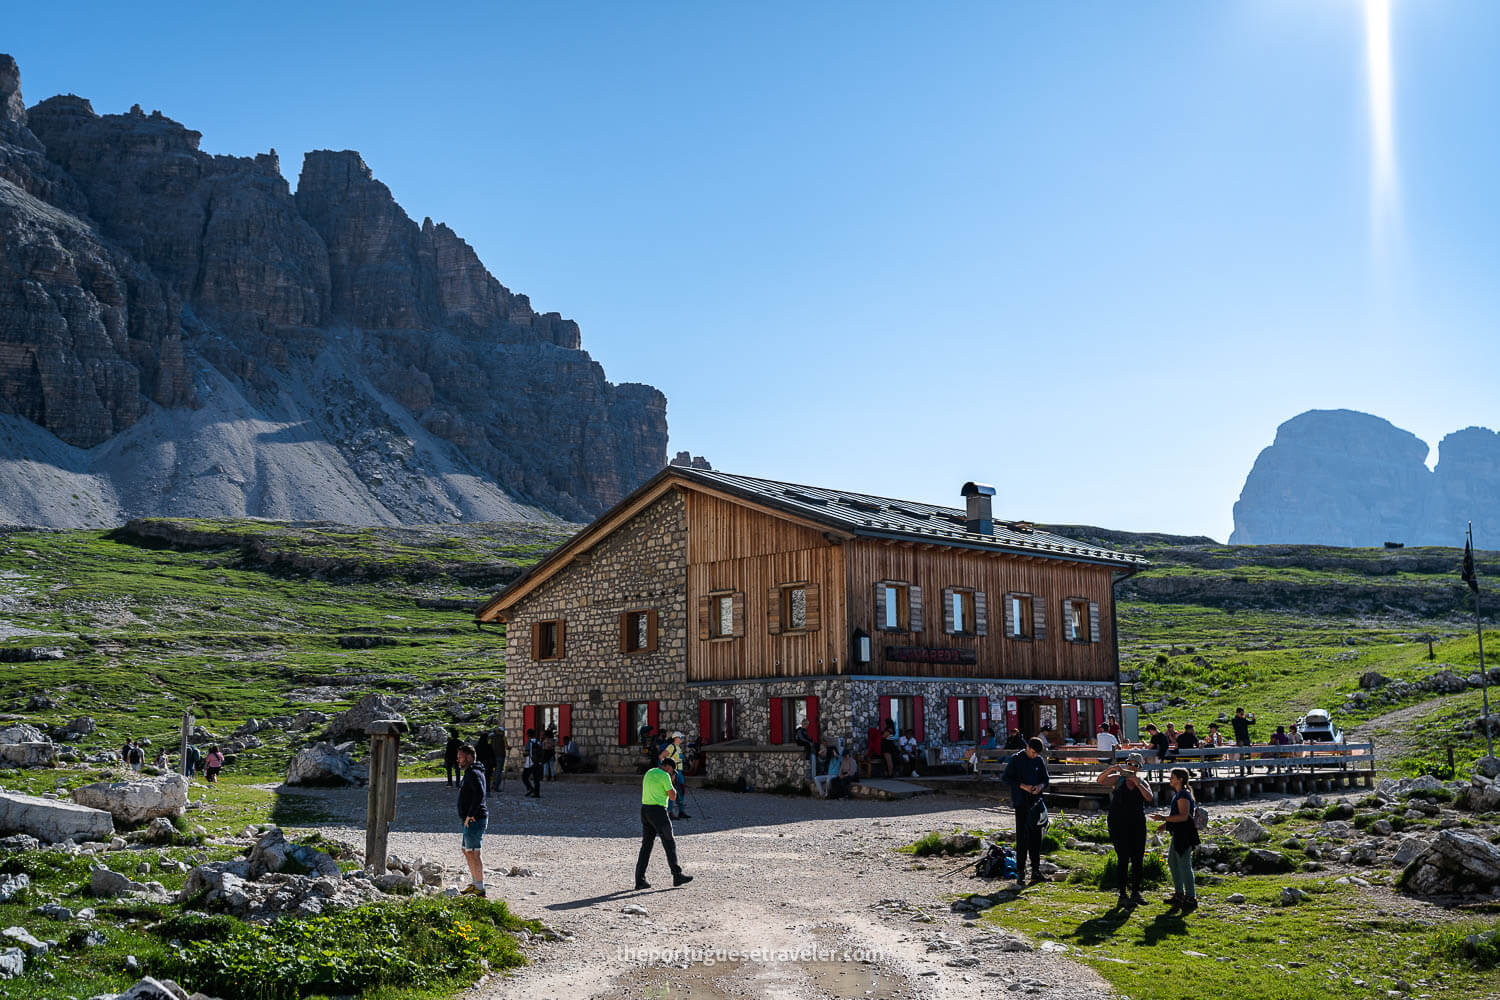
{"x": 1469, "y": 576}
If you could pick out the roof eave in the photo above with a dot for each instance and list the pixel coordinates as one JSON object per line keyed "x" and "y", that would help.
{"x": 957, "y": 543}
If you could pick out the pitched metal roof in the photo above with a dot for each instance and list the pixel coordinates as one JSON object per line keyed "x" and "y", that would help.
{"x": 882, "y": 517}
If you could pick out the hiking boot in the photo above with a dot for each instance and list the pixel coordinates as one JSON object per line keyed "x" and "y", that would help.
{"x": 472, "y": 890}
{"x": 1189, "y": 905}
{"x": 1175, "y": 901}
{"x": 1136, "y": 899}
{"x": 641, "y": 883}
{"x": 1123, "y": 903}
{"x": 683, "y": 816}
{"x": 681, "y": 879}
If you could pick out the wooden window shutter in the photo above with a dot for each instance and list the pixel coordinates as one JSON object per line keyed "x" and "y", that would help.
{"x": 914, "y": 608}
{"x": 773, "y": 610}
{"x": 1038, "y": 618}
{"x": 1072, "y": 715}
{"x": 948, "y": 593}
{"x": 737, "y": 614}
{"x": 1098, "y": 712}
{"x": 1010, "y": 614}
{"x": 885, "y": 713}
{"x": 651, "y": 631}
{"x": 652, "y": 716}
{"x": 952, "y": 720}
{"x": 705, "y": 722}
{"x": 1093, "y": 621}
{"x": 812, "y": 717}
{"x": 703, "y": 613}
{"x": 564, "y": 722}
{"x": 1068, "y": 633}
{"x": 981, "y": 614}
{"x": 536, "y": 640}
{"x": 625, "y": 733}
{"x": 776, "y": 733}
{"x": 562, "y": 631}
{"x": 624, "y": 631}
{"x": 813, "y": 609}
{"x": 919, "y": 722}
{"x": 879, "y": 606}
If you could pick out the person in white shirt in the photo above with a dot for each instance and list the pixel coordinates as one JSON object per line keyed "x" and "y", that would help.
{"x": 1106, "y": 740}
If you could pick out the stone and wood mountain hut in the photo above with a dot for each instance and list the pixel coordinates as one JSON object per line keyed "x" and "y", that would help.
{"x": 736, "y": 608}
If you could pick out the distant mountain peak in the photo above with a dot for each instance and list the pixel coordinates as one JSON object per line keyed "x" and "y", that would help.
{"x": 1342, "y": 477}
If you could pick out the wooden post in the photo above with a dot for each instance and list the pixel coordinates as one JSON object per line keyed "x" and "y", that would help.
{"x": 385, "y": 740}
{"x": 187, "y": 734}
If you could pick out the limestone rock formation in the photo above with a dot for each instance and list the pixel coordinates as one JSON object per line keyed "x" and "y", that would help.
{"x": 181, "y": 333}
{"x": 137, "y": 800}
{"x": 52, "y": 821}
{"x": 1338, "y": 477}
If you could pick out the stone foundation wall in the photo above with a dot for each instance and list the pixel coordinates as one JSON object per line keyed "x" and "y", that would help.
{"x": 865, "y": 694}
{"x": 761, "y": 768}
{"x": 641, "y": 565}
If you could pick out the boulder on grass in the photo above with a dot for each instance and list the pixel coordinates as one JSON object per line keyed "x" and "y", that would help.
{"x": 28, "y": 754}
{"x": 323, "y": 764}
{"x": 273, "y": 853}
{"x": 137, "y": 800}
{"x": 1248, "y": 831}
{"x": 21, "y": 732}
{"x": 52, "y": 821}
{"x": 1456, "y": 863}
{"x": 355, "y": 721}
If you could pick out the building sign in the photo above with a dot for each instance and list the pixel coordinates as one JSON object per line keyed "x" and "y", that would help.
{"x": 921, "y": 654}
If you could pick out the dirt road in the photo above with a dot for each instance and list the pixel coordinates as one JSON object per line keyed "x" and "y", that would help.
{"x": 809, "y": 895}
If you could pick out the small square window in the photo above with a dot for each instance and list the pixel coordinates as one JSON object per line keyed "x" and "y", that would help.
{"x": 721, "y": 720}
{"x": 794, "y": 608}
{"x": 892, "y": 612}
{"x": 547, "y": 640}
{"x": 638, "y": 631}
{"x": 723, "y": 616}
{"x": 1018, "y": 623}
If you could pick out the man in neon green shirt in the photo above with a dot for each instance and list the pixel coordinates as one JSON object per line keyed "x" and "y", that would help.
{"x": 658, "y": 788}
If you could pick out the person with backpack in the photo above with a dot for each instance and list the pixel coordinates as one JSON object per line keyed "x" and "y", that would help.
{"x": 549, "y": 753}
{"x": 1128, "y": 798}
{"x": 450, "y": 757}
{"x": 673, "y": 751}
{"x": 1181, "y": 820}
{"x": 474, "y": 815}
{"x": 192, "y": 761}
{"x": 213, "y": 764}
{"x": 1026, "y": 773}
{"x": 531, "y": 766}
{"x": 658, "y": 788}
{"x": 136, "y": 756}
{"x": 485, "y": 754}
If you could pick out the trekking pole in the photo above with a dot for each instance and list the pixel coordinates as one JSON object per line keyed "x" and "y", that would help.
{"x": 966, "y": 864}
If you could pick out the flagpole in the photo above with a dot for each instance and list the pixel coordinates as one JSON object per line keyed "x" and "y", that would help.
{"x": 1484, "y": 684}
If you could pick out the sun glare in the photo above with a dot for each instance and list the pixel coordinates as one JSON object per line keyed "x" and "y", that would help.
{"x": 1382, "y": 129}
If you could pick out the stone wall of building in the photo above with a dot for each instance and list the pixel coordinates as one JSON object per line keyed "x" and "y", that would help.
{"x": 865, "y": 694}
{"x": 641, "y": 565}
{"x": 761, "y": 768}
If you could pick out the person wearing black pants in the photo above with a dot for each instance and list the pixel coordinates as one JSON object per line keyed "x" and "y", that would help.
{"x": 658, "y": 788}
{"x": 1128, "y": 800}
{"x": 531, "y": 769}
{"x": 1026, "y": 773}
{"x": 450, "y": 757}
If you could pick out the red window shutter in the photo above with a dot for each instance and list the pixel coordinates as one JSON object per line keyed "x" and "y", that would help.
{"x": 919, "y": 724}
{"x": 651, "y": 718}
{"x": 1012, "y": 716}
{"x": 564, "y": 722}
{"x": 812, "y": 717}
{"x": 984, "y": 718}
{"x": 1072, "y": 715}
{"x": 776, "y": 720}
{"x": 528, "y": 718}
{"x": 705, "y": 722}
{"x": 885, "y": 712}
{"x": 952, "y": 720}
{"x": 1098, "y": 713}
{"x": 625, "y": 733}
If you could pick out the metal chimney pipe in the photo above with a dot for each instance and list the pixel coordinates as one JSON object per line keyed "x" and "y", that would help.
{"x": 980, "y": 518}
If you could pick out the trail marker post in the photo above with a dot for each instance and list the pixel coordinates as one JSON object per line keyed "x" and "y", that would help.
{"x": 187, "y": 735}
{"x": 385, "y": 742}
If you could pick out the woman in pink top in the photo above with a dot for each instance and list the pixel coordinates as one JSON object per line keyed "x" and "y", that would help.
{"x": 213, "y": 763}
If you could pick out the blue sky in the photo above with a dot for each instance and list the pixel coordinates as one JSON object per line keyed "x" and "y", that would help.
{"x": 1092, "y": 253}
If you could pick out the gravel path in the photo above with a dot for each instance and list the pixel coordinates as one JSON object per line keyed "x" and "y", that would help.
{"x": 813, "y": 885}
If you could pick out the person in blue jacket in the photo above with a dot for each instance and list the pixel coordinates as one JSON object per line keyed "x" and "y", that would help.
{"x": 1026, "y": 773}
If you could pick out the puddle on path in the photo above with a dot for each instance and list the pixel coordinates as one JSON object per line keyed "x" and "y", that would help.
{"x": 696, "y": 982}
{"x": 852, "y": 979}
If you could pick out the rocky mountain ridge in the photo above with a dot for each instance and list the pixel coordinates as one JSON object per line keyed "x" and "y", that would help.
{"x": 182, "y": 334}
{"x": 1339, "y": 477}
